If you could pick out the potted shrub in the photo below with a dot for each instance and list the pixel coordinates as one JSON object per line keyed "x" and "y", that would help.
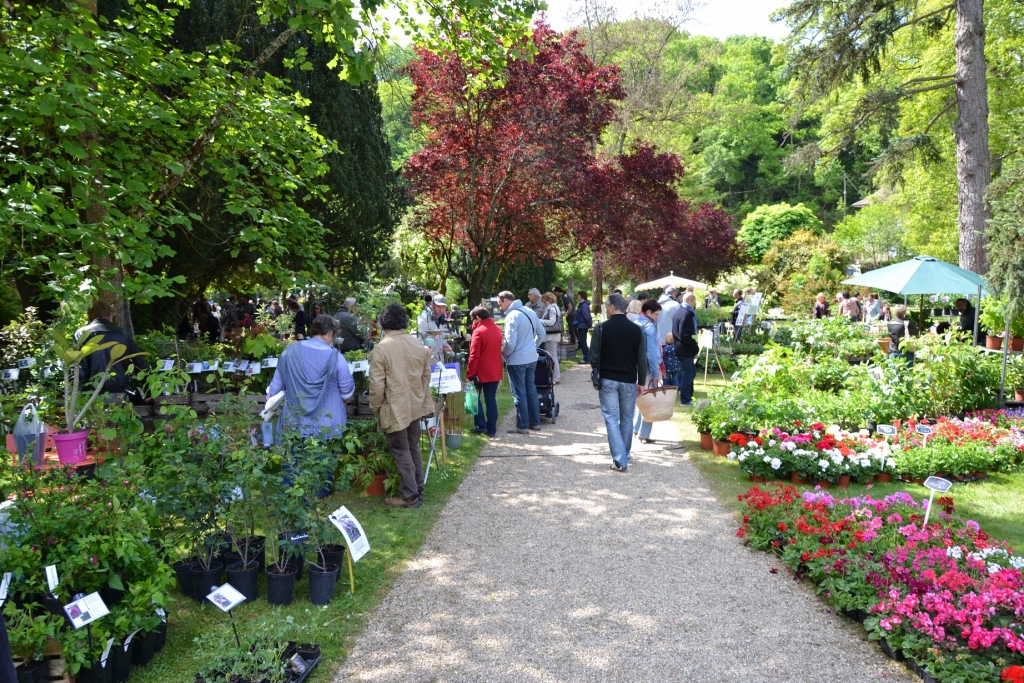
{"x": 1017, "y": 334}
{"x": 71, "y": 442}
{"x": 992, "y": 320}
{"x": 29, "y": 628}
{"x": 366, "y": 463}
{"x": 703, "y": 417}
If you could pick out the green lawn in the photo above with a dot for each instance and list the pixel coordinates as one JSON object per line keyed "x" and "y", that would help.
{"x": 997, "y": 504}
{"x": 394, "y": 535}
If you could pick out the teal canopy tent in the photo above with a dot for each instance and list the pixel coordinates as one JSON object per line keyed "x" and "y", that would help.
{"x": 923, "y": 275}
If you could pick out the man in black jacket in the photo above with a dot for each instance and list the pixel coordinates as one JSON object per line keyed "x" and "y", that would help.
{"x": 348, "y": 327}
{"x": 619, "y": 353}
{"x": 95, "y": 363}
{"x": 684, "y": 328}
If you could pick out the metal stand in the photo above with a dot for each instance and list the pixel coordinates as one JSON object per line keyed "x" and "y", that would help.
{"x": 707, "y": 358}
{"x": 235, "y": 629}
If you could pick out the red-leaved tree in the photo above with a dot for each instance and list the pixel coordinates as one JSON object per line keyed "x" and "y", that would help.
{"x": 501, "y": 166}
{"x": 509, "y": 174}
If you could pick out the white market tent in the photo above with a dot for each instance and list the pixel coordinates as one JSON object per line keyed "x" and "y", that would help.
{"x": 671, "y": 280}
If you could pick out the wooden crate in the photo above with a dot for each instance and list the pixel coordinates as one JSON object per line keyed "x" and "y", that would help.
{"x": 55, "y": 657}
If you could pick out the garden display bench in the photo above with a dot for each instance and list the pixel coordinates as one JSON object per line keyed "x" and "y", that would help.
{"x": 50, "y": 461}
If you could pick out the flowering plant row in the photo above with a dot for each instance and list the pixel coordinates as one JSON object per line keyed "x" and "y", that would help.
{"x": 943, "y": 594}
{"x": 814, "y": 453}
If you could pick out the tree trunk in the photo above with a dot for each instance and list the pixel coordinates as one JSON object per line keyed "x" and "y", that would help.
{"x": 973, "y": 164}
{"x": 597, "y": 276}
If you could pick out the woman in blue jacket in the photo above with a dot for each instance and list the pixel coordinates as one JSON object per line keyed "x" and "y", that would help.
{"x": 582, "y": 324}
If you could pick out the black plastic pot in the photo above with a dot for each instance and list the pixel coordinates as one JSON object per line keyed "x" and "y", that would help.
{"x": 112, "y": 596}
{"x": 296, "y": 564}
{"x": 121, "y": 661}
{"x": 308, "y": 651}
{"x": 280, "y": 587}
{"x": 245, "y": 579}
{"x": 205, "y": 580}
{"x": 34, "y": 672}
{"x": 333, "y": 554}
{"x": 321, "y": 584}
{"x": 97, "y": 674}
{"x": 161, "y": 636}
{"x": 143, "y": 648}
{"x": 183, "y": 570}
{"x": 889, "y": 652}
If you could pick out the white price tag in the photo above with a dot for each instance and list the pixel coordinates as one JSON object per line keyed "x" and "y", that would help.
{"x": 106, "y": 652}
{"x": 5, "y": 584}
{"x": 51, "y": 577}
{"x": 128, "y": 640}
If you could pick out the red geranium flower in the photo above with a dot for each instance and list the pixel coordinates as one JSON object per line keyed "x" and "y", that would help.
{"x": 818, "y": 426}
{"x": 1014, "y": 674}
{"x": 782, "y": 526}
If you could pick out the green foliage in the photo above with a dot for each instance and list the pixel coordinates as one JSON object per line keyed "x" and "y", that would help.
{"x": 768, "y": 224}
{"x": 874, "y": 234}
{"x": 797, "y": 268}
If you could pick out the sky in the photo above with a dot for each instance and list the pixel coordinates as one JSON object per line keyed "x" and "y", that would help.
{"x": 717, "y": 18}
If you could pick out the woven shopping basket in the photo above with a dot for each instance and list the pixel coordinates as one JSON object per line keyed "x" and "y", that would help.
{"x": 658, "y": 404}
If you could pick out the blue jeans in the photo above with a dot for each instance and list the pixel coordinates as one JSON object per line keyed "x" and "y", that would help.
{"x": 909, "y": 357}
{"x": 618, "y": 402}
{"x": 641, "y": 427}
{"x": 524, "y": 394}
{"x": 686, "y": 376}
{"x": 488, "y": 392}
{"x": 581, "y": 337}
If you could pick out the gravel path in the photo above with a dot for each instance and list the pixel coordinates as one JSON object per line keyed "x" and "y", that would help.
{"x": 549, "y": 568}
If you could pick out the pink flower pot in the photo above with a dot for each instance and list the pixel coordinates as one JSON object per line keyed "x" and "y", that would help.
{"x": 71, "y": 448}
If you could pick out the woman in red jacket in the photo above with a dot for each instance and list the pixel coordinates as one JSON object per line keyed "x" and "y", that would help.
{"x": 484, "y": 368}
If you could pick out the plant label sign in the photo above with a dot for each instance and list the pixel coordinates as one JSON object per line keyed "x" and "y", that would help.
{"x": 51, "y": 577}
{"x": 925, "y": 430}
{"x": 165, "y": 365}
{"x": 106, "y": 652}
{"x": 25, "y": 363}
{"x": 86, "y": 610}
{"x": 194, "y": 368}
{"x": 352, "y": 530}
{"x": 210, "y": 365}
{"x": 241, "y": 366}
{"x": 706, "y": 339}
{"x": 229, "y": 366}
{"x": 12, "y": 374}
{"x": 253, "y": 369}
{"x": 270, "y": 362}
{"x": 886, "y": 430}
{"x": 446, "y": 379}
{"x": 226, "y": 597}
{"x": 359, "y": 366}
{"x": 4, "y": 585}
{"x": 938, "y": 484}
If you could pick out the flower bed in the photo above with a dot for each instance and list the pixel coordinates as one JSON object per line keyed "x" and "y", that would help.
{"x": 944, "y": 595}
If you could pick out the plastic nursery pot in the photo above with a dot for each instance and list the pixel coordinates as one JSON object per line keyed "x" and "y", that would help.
{"x": 144, "y": 648}
{"x": 883, "y": 477}
{"x": 280, "y": 587}
{"x": 844, "y": 481}
{"x": 97, "y": 674}
{"x": 112, "y": 596}
{"x": 161, "y": 636}
{"x": 721, "y": 447}
{"x": 453, "y": 440}
{"x": 376, "y": 488}
{"x": 321, "y": 583}
{"x": 993, "y": 343}
{"x": 756, "y": 479}
{"x": 33, "y": 672}
{"x": 71, "y": 448}
{"x": 204, "y": 580}
{"x": 706, "y": 442}
{"x": 333, "y": 553}
{"x": 183, "y": 570}
{"x": 121, "y": 661}
{"x": 245, "y": 578}
{"x": 1017, "y": 343}
{"x": 308, "y": 651}
{"x": 796, "y": 478}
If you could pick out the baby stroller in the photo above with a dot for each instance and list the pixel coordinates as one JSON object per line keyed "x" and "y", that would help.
{"x": 544, "y": 378}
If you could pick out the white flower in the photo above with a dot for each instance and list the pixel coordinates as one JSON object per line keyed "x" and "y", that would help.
{"x": 741, "y": 457}
{"x": 955, "y": 551}
{"x": 776, "y": 463}
{"x": 771, "y": 443}
{"x": 788, "y": 445}
{"x": 993, "y": 567}
{"x": 766, "y": 459}
{"x": 890, "y": 464}
{"x": 864, "y": 432}
{"x": 837, "y": 458}
{"x": 823, "y": 464}
{"x": 1017, "y": 562}
{"x": 760, "y": 451}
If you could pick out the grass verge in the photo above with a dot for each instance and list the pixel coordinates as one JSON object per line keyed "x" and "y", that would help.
{"x": 395, "y": 536}
{"x": 997, "y": 503}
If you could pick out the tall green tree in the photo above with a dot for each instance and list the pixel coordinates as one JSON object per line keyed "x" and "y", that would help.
{"x": 837, "y": 42}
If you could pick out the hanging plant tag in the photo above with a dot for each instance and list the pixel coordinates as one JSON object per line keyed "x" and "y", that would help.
{"x": 51, "y": 577}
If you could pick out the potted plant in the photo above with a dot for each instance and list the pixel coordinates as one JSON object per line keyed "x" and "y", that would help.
{"x": 1017, "y": 333}
{"x": 703, "y": 418}
{"x": 366, "y": 463}
{"x": 992, "y": 320}
{"x": 29, "y": 628}
{"x": 71, "y": 442}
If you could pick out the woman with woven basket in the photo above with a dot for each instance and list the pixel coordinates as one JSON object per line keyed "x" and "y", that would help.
{"x": 648, "y": 322}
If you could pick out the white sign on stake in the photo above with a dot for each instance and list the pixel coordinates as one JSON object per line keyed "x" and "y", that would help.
{"x": 194, "y": 368}
{"x": 226, "y": 597}
{"x": 352, "y": 530}
{"x": 86, "y": 610}
{"x": 51, "y": 577}
{"x": 359, "y": 366}
{"x": 925, "y": 431}
{"x": 270, "y": 362}
{"x": 705, "y": 339}
{"x": 446, "y": 379}
{"x": 935, "y": 484}
{"x": 165, "y": 365}
{"x": 886, "y": 430}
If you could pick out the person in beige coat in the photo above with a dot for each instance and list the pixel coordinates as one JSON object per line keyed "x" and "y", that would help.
{"x": 400, "y": 398}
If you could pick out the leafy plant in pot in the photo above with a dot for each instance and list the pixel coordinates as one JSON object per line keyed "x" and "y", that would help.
{"x": 29, "y": 627}
{"x": 257, "y": 660}
{"x": 993, "y": 321}
{"x": 310, "y": 477}
{"x": 245, "y": 470}
{"x": 366, "y": 458}
{"x": 71, "y": 442}
{"x": 282, "y": 500}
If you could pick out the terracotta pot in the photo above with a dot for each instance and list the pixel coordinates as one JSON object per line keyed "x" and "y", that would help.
{"x": 993, "y": 343}
{"x": 1017, "y": 343}
{"x": 824, "y": 483}
{"x": 796, "y": 478}
{"x": 919, "y": 482}
{"x": 844, "y": 481}
{"x": 883, "y": 477}
{"x": 1018, "y": 394}
{"x": 377, "y": 487}
{"x": 884, "y": 344}
{"x": 721, "y": 447}
{"x": 706, "y": 442}
{"x": 756, "y": 479}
